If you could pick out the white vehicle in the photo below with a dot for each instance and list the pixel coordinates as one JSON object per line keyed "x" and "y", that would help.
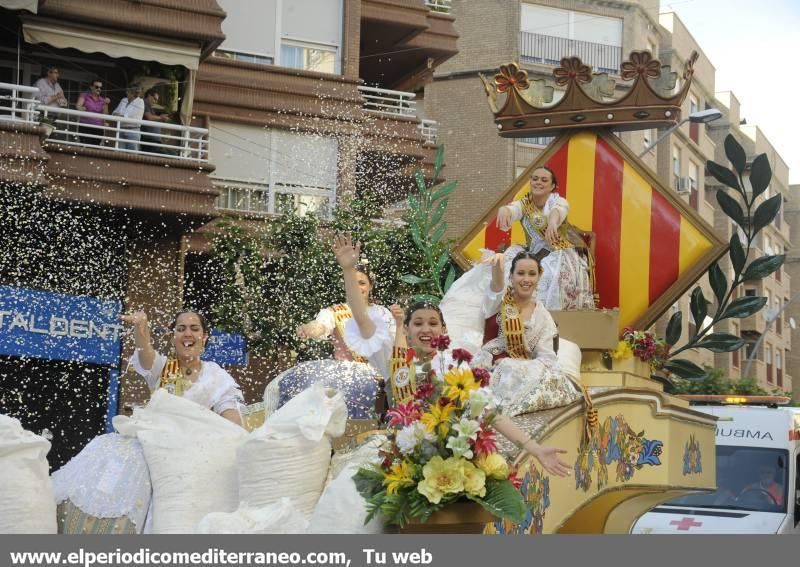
{"x": 758, "y": 468}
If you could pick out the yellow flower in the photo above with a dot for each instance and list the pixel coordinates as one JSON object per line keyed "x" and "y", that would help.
{"x": 622, "y": 352}
{"x": 438, "y": 416}
{"x": 461, "y": 383}
{"x": 494, "y": 465}
{"x": 474, "y": 479}
{"x": 400, "y": 475}
{"x": 441, "y": 477}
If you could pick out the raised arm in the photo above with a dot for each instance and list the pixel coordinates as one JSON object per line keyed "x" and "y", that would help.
{"x": 498, "y": 262}
{"x": 141, "y": 336}
{"x": 347, "y": 256}
{"x": 399, "y": 318}
{"x": 547, "y": 456}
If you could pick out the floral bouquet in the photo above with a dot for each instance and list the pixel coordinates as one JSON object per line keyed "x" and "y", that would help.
{"x": 644, "y": 345}
{"x": 441, "y": 449}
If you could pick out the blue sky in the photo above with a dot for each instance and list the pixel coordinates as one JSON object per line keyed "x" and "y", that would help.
{"x": 755, "y": 47}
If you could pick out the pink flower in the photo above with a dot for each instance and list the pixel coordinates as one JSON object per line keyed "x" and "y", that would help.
{"x": 442, "y": 342}
{"x": 462, "y": 355}
{"x": 514, "y": 478}
{"x": 482, "y": 375}
{"x": 485, "y": 442}
{"x": 424, "y": 390}
{"x": 403, "y": 414}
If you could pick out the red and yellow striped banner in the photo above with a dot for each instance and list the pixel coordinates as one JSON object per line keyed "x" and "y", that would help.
{"x": 645, "y": 242}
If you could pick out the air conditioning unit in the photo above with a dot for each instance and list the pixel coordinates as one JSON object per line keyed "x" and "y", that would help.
{"x": 684, "y": 185}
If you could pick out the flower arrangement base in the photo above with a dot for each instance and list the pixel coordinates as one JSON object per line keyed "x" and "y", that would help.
{"x": 456, "y": 518}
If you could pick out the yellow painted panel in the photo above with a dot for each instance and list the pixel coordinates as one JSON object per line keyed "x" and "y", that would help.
{"x": 580, "y": 177}
{"x": 634, "y": 280}
{"x": 693, "y": 245}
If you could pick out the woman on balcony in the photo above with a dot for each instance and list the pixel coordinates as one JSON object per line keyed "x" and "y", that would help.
{"x": 91, "y": 127}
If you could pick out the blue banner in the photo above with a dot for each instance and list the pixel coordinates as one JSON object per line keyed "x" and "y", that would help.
{"x": 56, "y": 326}
{"x": 226, "y": 349}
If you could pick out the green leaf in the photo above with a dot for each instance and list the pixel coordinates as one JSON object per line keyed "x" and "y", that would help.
{"x": 760, "y": 175}
{"x": 721, "y": 342}
{"x": 737, "y": 255}
{"x": 438, "y": 233}
{"x": 437, "y": 162}
{"x": 442, "y": 261}
{"x": 766, "y": 212}
{"x": 731, "y": 207}
{"x": 764, "y": 266}
{"x": 674, "y": 328}
{"x": 446, "y": 189}
{"x": 503, "y": 500}
{"x": 723, "y": 175}
{"x": 744, "y": 307}
{"x": 685, "y": 369}
{"x": 699, "y": 306}
{"x": 736, "y": 154}
{"x": 437, "y": 216}
{"x": 413, "y": 203}
{"x": 412, "y": 279}
{"x": 420, "y": 179}
{"x": 718, "y": 281}
{"x": 451, "y": 276}
{"x": 426, "y": 298}
{"x": 415, "y": 235}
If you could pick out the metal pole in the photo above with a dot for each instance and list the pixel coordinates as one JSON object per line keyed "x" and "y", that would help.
{"x": 664, "y": 135}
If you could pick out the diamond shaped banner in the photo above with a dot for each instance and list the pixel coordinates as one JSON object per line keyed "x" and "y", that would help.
{"x": 650, "y": 247}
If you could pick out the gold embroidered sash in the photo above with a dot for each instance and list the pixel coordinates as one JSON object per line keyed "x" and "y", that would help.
{"x": 512, "y": 327}
{"x": 537, "y": 220}
{"x": 403, "y": 373}
{"x": 342, "y": 314}
{"x": 172, "y": 379}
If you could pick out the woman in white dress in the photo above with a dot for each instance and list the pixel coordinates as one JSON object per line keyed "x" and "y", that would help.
{"x": 566, "y": 279}
{"x": 107, "y": 485}
{"x": 348, "y": 372}
{"x": 519, "y": 336}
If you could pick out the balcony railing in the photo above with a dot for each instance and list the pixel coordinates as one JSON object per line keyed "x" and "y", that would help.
{"x": 390, "y": 103}
{"x": 442, "y": 6}
{"x": 124, "y": 134}
{"x": 18, "y": 103}
{"x": 430, "y": 131}
{"x": 537, "y": 140}
{"x": 548, "y": 50}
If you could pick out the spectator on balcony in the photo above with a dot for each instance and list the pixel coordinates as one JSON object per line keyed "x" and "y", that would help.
{"x": 132, "y": 106}
{"x": 152, "y": 134}
{"x": 93, "y": 101}
{"x": 50, "y": 92}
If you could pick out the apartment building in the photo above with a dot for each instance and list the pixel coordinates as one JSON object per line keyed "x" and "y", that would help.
{"x": 270, "y": 110}
{"x": 602, "y": 34}
{"x": 791, "y": 215}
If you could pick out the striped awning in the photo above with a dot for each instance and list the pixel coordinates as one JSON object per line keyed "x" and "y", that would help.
{"x": 650, "y": 246}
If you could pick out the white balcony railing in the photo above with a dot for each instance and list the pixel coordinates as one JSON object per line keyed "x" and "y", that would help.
{"x": 18, "y": 103}
{"x": 548, "y": 50}
{"x": 430, "y": 131}
{"x": 124, "y": 134}
{"x": 386, "y": 102}
{"x": 442, "y": 6}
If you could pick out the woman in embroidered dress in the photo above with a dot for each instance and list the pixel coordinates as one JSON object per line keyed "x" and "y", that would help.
{"x": 566, "y": 282}
{"x": 348, "y": 372}
{"x": 518, "y": 341}
{"x": 109, "y": 479}
{"x": 403, "y": 368}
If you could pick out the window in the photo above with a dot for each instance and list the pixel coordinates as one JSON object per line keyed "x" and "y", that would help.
{"x": 693, "y": 188}
{"x": 750, "y": 292}
{"x": 246, "y": 57}
{"x": 776, "y": 306}
{"x": 735, "y": 354}
{"x": 769, "y": 363}
{"x": 309, "y": 57}
{"x": 778, "y": 368}
{"x": 676, "y": 167}
{"x": 694, "y": 127}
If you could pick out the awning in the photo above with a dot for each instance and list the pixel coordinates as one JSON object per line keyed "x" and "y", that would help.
{"x": 29, "y": 5}
{"x": 114, "y": 44}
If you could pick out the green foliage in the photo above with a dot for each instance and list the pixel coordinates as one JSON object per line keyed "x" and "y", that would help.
{"x": 751, "y": 217}
{"x": 433, "y": 275}
{"x": 715, "y": 382}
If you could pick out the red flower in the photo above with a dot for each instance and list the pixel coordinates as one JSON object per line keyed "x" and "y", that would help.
{"x": 514, "y": 479}
{"x": 442, "y": 342}
{"x": 462, "y": 355}
{"x": 482, "y": 375}
{"x": 403, "y": 414}
{"x": 444, "y": 401}
{"x": 485, "y": 442}
{"x": 424, "y": 390}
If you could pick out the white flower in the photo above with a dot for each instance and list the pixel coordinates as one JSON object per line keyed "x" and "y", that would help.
{"x": 460, "y": 447}
{"x": 479, "y": 400}
{"x": 467, "y": 428}
{"x": 411, "y": 435}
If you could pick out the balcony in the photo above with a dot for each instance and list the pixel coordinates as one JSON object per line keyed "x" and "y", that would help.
{"x": 18, "y": 103}
{"x": 441, "y": 6}
{"x": 388, "y": 102}
{"x": 541, "y": 49}
{"x": 430, "y": 132}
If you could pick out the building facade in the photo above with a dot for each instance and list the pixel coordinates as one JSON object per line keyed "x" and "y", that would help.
{"x": 269, "y": 110}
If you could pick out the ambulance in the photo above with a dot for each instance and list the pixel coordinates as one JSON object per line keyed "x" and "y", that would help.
{"x": 758, "y": 473}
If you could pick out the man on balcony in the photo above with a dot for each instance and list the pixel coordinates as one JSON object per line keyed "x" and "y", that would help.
{"x": 50, "y": 92}
{"x": 151, "y": 135}
{"x": 132, "y": 106}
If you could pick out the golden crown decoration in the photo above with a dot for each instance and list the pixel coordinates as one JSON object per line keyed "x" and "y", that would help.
{"x": 651, "y": 102}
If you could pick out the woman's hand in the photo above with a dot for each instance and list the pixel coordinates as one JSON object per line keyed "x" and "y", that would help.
{"x": 138, "y": 319}
{"x": 399, "y": 315}
{"x": 346, "y": 253}
{"x": 504, "y": 218}
{"x": 497, "y": 261}
{"x": 548, "y": 457}
{"x": 551, "y": 233}
{"x": 498, "y": 264}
